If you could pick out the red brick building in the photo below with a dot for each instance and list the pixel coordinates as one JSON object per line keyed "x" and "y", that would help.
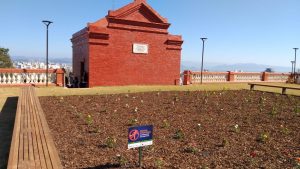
{"x": 130, "y": 46}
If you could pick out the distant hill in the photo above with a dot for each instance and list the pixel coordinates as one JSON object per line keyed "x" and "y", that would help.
{"x": 245, "y": 67}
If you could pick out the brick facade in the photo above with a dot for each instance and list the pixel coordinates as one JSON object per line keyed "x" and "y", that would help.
{"x": 104, "y": 49}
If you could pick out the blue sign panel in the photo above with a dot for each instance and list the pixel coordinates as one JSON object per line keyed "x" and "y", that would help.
{"x": 140, "y": 136}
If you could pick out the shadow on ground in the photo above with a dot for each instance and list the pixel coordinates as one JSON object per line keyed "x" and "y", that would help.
{"x": 105, "y": 166}
{"x": 7, "y": 118}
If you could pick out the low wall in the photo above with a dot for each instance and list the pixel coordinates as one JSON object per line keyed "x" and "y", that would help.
{"x": 191, "y": 77}
{"x": 23, "y": 77}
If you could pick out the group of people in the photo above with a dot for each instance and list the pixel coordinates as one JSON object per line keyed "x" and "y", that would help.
{"x": 72, "y": 81}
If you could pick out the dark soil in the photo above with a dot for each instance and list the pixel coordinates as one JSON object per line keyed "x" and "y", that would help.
{"x": 225, "y": 129}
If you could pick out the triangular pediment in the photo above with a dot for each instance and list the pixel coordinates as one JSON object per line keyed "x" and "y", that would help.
{"x": 140, "y": 12}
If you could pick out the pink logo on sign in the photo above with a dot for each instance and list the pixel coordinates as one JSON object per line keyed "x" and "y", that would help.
{"x": 134, "y": 135}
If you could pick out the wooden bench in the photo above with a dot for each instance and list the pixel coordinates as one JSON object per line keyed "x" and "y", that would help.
{"x": 32, "y": 145}
{"x": 284, "y": 88}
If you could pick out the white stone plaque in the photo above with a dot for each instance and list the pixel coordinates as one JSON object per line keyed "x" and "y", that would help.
{"x": 140, "y": 48}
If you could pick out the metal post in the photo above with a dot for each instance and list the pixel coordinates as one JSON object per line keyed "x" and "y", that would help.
{"x": 47, "y": 23}
{"x": 140, "y": 156}
{"x": 295, "y": 63}
{"x": 203, "y": 39}
{"x": 292, "y": 72}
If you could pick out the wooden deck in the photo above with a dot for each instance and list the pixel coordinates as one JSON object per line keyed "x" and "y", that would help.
{"x": 32, "y": 145}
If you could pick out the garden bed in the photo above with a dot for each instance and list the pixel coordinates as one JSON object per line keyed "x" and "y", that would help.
{"x": 224, "y": 129}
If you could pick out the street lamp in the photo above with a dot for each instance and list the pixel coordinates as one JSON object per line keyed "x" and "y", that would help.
{"x": 203, "y": 40}
{"x": 295, "y": 63}
{"x": 47, "y": 23}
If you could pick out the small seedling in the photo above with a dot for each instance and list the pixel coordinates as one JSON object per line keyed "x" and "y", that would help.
{"x": 89, "y": 120}
{"x": 78, "y": 114}
{"x": 136, "y": 109}
{"x": 273, "y": 112}
{"x": 159, "y": 163}
{"x": 263, "y": 137}
{"x": 132, "y": 121}
{"x": 166, "y": 124}
{"x": 111, "y": 142}
{"x": 236, "y": 128}
{"x": 284, "y": 130}
{"x": 179, "y": 135}
{"x": 191, "y": 149}
{"x": 224, "y": 142}
{"x": 204, "y": 167}
{"x": 97, "y": 130}
{"x": 199, "y": 126}
{"x": 121, "y": 160}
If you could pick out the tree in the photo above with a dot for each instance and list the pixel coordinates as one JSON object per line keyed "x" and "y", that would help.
{"x": 5, "y": 61}
{"x": 270, "y": 70}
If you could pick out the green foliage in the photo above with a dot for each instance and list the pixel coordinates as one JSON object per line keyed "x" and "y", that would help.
{"x": 132, "y": 121}
{"x": 5, "y": 61}
{"x": 263, "y": 137}
{"x": 284, "y": 130}
{"x": 111, "y": 142}
{"x": 159, "y": 163}
{"x": 191, "y": 149}
{"x": 89, "y": 120}
{"x": 236, "y": 128}
{"x": 273, "y": 112}
{"x": 179, "y": 135}
{"x": 166, "y": 124}
{"x": 225, "y": 142}
{"x": 121, "y": 160}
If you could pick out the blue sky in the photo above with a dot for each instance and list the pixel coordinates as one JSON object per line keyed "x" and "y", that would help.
{"x": 238, "y": 31}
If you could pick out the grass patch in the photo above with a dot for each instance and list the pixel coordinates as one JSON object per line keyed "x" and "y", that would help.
{"x": 59, "y": 91}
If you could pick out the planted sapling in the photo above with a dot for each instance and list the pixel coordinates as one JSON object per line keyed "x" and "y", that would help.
{"x": 273, "y": 112}
{"x": 263, "y": 137}
{"x": 111, "y": 142}
{"x": 179, "y": 135}
{"x": 132, "y": 121}
{"x": 89, "y": 120}
{"x": 166, "y": 124}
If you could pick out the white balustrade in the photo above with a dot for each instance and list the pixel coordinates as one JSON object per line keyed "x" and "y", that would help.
{"x": 213, "y": 77}
{"x": 26, "y": 78}
{"x": 278, "y": 77}
{"x": 4, "y": 78}
{"x": 248, "y": 77}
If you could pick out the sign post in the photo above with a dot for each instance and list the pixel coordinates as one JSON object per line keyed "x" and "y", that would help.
{"x": 140, "y": 156}
{"x": 138, "y": 137}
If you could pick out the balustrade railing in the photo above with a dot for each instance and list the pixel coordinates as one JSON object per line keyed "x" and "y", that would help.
{"x": 190, "y": 77}
{"x": 11, "y": 77}
{"x": 209, "y": 77}
{"x": 247, "y": 77}
{"x": 278, "y": 77}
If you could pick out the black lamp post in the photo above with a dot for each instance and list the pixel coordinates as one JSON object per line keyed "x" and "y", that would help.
{"x": 295, "y": 63}
{"x": 203, "y": 40}
{"x": 47, "y": 23}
